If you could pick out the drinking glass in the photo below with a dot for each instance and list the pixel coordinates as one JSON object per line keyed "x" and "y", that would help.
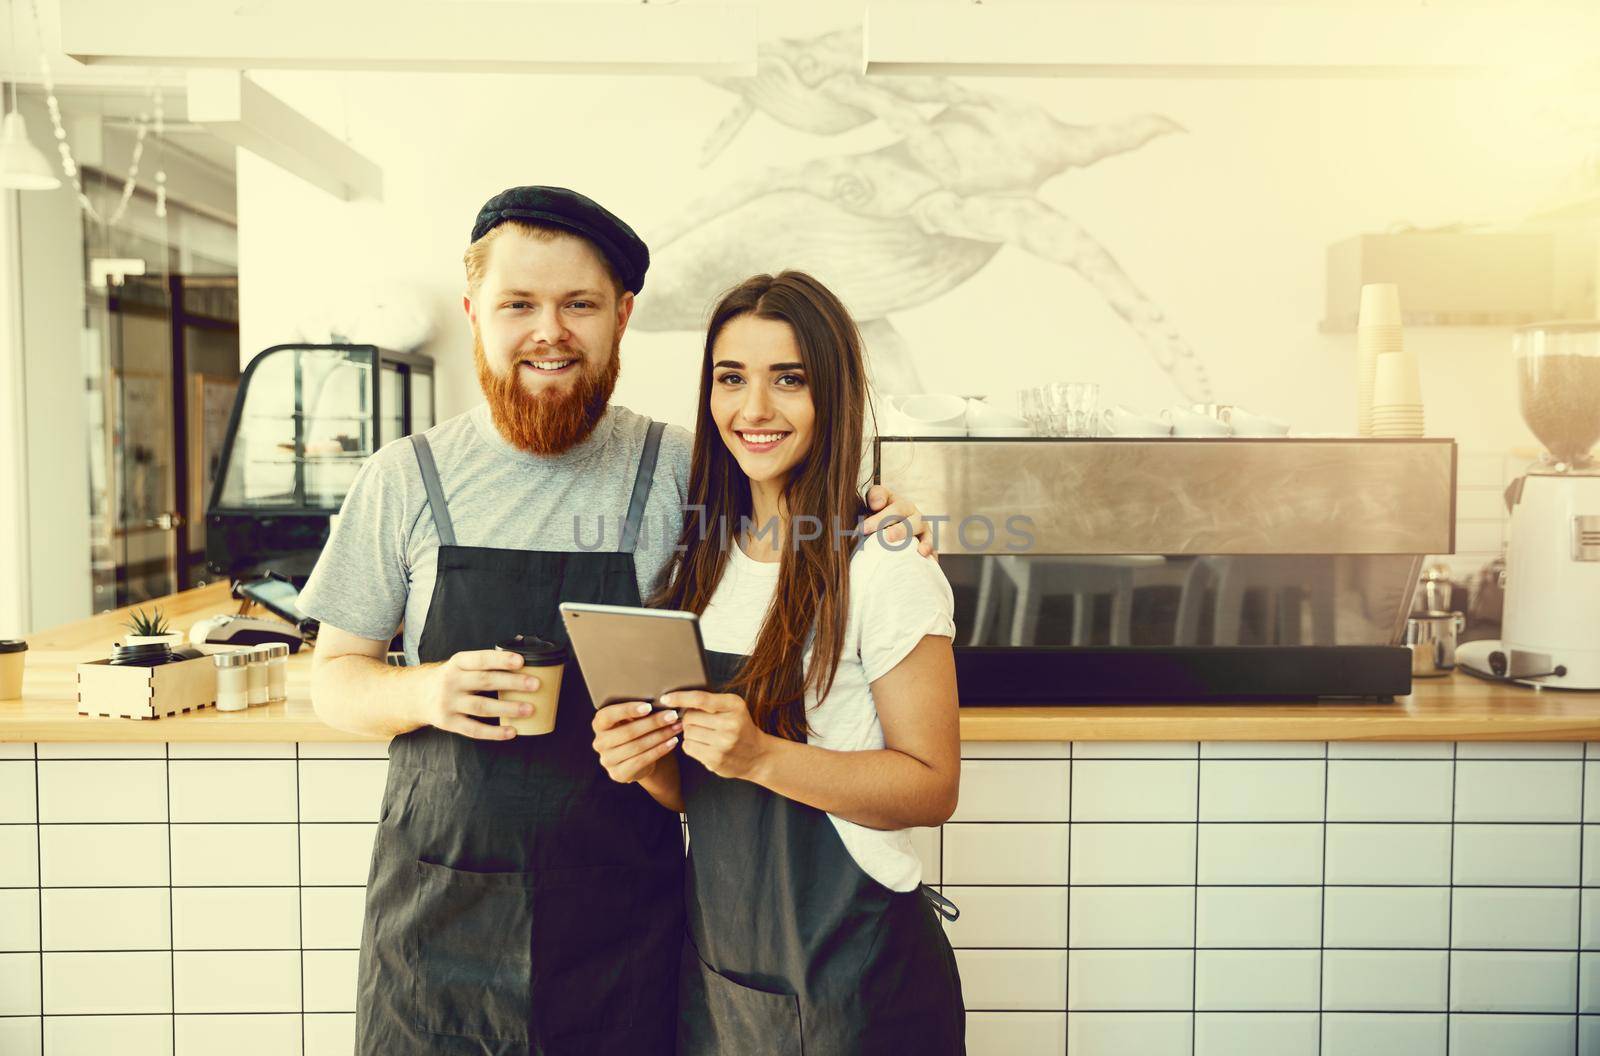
{"x": 1035, "y": 411}
{"x": 1073, "y": 405}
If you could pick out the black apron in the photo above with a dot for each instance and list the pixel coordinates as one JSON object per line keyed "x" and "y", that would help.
{"x": 520, "y": 901}
{"x": 793, "y": 950}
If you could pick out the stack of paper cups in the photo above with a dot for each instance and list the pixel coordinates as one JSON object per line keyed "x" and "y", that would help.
{"x": 1396, "y": 396}
{"x": 1377, "y": 331}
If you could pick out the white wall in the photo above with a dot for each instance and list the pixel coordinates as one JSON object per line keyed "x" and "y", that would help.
{"x": 13, "y": 446}
{"x": 1224, "y": 226}
{"x": 56, "y": 411}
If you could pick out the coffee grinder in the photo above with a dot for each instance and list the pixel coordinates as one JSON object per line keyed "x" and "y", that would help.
{"x": 1550, "y": 632}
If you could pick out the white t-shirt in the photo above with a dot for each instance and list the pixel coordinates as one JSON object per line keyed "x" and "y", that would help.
{"x": 897, "y": 596}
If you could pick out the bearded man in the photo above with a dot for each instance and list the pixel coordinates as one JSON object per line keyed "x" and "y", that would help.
{"x": 519, "y": 901}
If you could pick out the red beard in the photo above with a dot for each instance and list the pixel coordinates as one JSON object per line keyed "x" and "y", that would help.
{"x": 551, "y": 422}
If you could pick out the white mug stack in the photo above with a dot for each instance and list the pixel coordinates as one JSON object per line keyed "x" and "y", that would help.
{"x": 1390, "y": 387}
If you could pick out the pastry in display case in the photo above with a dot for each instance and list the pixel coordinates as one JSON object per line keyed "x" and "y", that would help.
{"x": 305, "y": 419}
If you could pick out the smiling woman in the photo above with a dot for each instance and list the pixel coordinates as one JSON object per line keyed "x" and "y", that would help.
{"x": 834, "y": 733}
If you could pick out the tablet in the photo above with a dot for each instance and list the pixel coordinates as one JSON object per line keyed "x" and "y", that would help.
{"x": 630, "y": 653}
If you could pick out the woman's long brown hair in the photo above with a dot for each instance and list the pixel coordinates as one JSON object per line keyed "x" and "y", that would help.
{"x": 812, "y": 598}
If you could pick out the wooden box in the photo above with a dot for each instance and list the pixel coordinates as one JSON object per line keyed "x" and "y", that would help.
{"x": 146, "y": 692}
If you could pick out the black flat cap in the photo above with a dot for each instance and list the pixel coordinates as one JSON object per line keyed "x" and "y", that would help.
{"x": 628, "y": 255}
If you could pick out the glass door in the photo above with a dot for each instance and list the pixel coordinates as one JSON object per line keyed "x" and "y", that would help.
{"x": 162, "y": 365}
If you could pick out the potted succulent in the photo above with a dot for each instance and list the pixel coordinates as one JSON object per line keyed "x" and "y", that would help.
{"x": 151, "y": 629}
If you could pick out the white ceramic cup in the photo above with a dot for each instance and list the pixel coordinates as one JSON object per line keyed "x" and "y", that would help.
{"x": 1243, "y": 423}
{"x": 934, "y": 414}
{"x": 981, "y": 417}
{"x": 1119, "y": 421}
{"x": 1185, "y": 422}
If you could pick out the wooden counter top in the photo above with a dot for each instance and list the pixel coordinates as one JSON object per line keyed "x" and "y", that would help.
{"x": 1455, "y": 708}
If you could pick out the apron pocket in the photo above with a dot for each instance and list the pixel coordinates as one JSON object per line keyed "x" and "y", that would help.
{"x": 597, "y": 950}
{"x": 718, "y": 1015}
{"x": 472, "y": 969}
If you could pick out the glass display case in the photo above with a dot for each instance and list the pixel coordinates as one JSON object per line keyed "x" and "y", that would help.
{"x": 305, "y": 419}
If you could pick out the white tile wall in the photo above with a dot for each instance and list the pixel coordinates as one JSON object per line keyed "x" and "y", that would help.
{"x": 229, "y": 855}
{"x": 1131, "y": 980}
{"x": 1398, "y": 917}
{"x": 1274, "y": 790}
{"x": 330, "y": 980}
{"x": 237, "y": 981}
{"x": 19, "y": 856}
{"x": 999, "y": 1033}
{"x": 1383, "y": 1034}
{"x": 336, "y": 854}
{"x": 1135, "y": 750}
{"x": 1261, "y": 854}
{"x": 1518, "y": 791}
{"x": 330, "y": 1035}
{"x": 1133, "y": 854}
{"x": 1002, "y": 854}
{"x": 1008, "y": 916}
{"x": 1074, "y": 866}
{"x": 92, "y": 918}
{"x": 1263, "y": 750}
{"x": 1247, "y": 980}
{"x": 1013, "y": 979}
{"x": 94, "y": 1035}
{"x": 1513, "y": 982}
{"x": 1016, "y": 749}
{"x": 238, "y": 1035}
{"x": 1524, "y": 855}
{"x": 103, "y": 790}
{"x": 1279, "y": 1033}
{"x": 19, "y": 921}
{"x": 1133, "y": 790}
{"x": 1132, "y": 917}
{"x": 341, "y": 789}
{"x": 252, "y": 790}
{"x": 331, "y": 917}
{"x": 1121, "y": 1033}
{"x": 1377, "y": 790}
{"x": 1277, "y": 917}
{"x": 102, "y": 983}
{"x": 1515, "y": 918}
{"x": 1502, "y": 1035}
{"x": 103, "y": 855}
{"x": 18, "y": 801}
{"x": 1389, "y": 980}
{"x": 1388, "y": 854}
{"x": 1005, "y": 790}
{"x": 235, "y": 918}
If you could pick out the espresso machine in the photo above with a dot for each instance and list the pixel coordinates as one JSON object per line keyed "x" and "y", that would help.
{"x": 1183, "y": 569}
{"x": 1550, "y": 633}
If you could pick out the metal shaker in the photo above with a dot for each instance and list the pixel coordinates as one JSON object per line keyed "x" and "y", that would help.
{"x": 1432, "y": 638}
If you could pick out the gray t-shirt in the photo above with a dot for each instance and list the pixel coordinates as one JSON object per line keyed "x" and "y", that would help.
{"x": 378, "y": 567}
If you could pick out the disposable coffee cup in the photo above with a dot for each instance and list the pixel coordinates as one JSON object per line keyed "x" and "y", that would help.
{"x": 13, "y": 653}
{"x": 545, "y": 661}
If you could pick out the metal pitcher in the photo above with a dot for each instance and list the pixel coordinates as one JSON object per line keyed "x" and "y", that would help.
{"x": 1432, "y": 638}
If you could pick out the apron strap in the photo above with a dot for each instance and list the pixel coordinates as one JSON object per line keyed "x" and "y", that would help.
{"x": 941, "y": 905}
{"x": 641, "y": 487}
{"x": 430, "y": 483}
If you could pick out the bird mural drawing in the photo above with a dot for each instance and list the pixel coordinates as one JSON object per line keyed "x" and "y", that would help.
{"x": 895, "y": 227}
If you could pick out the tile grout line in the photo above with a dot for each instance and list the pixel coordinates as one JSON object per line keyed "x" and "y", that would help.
{"x": 1066, "y": 997}
{"x": 172, "y": 938}
{"x": 1322, "y": 901}
{"x": 300, "y": 896}
{"x": 38, "y": 878}
{"x": 1194, "y": 918}
{"x": 1450, "y": 898}
{"x": 1577, "y": 997}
